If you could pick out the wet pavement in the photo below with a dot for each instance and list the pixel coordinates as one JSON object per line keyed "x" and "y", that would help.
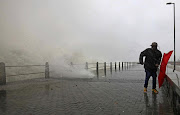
{"x": 119, "y": 94}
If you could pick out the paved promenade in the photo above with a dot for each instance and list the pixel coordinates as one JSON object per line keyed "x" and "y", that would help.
{"x": 119, "y": 94}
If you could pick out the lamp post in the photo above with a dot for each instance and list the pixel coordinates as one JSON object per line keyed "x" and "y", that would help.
{"x": 174, "y": 34}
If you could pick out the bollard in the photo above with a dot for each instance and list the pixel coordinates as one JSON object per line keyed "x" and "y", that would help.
{"x": 111, "y": 67}
{"x": 115, "y": 66}
{"x": 119, "y": 66}
{"x": 46, "y": 70}
{"x": 97, "y": 71}
{"x": 104, "y": 68}
{"x": 2, "y": 74}
{"x": 122, "y": 65}
{"x": 86, "y": 66}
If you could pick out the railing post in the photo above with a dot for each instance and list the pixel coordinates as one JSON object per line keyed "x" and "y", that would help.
{"x": 115, "y": 66}
{"x": 127, "y": 65}
{"x": 111, "y": 67}
{"x": 104, "y": 68}
{"x": 2, "y": 73}
{"x": 122, "y": 65}
{"x": 130, "y": 64}
{"x": 72, "y": 64}
{"x": 97, "y": 71}
{"x": 86, "y": 66}
{"x": 119, "y": 66}
{"x": 47, "y": 70}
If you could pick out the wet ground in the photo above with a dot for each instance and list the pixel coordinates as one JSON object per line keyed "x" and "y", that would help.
{"x": 119, "y": 94}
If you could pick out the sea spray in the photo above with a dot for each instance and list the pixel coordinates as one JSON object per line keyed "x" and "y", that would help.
{"x": 59, "y": 61}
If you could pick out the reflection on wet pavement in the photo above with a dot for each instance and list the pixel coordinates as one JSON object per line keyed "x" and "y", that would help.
{"x": 156, "y": 105}
{"x": 3, "y": 100}
{"x": 151, "y": 108}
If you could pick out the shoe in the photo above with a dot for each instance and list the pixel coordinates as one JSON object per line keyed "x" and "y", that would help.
{"x": 145, "y": 90}
{"x": 155, "y": 91}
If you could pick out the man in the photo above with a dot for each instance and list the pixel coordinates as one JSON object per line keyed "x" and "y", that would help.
{"x": 152, "y": 61}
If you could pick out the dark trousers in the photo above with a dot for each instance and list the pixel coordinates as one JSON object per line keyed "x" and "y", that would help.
{"x": 148, "y": 75}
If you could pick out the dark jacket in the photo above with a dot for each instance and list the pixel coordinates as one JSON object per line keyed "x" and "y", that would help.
{"x": 152, "y": 57}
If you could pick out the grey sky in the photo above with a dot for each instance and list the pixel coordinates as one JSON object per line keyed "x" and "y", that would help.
{"x": 103, "y": 30}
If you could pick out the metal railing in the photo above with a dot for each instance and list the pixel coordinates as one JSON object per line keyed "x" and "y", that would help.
{"x": 97, "y": 68}
{"x": 3, "y": 68}
{"x": 104, "y": 66}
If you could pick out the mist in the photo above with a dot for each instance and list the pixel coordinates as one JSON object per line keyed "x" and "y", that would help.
{"x": 64, "y": 31}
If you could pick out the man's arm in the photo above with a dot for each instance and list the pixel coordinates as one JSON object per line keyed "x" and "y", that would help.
{"x": 142, "y": 54}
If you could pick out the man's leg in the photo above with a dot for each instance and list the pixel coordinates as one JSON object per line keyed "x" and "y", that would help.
{"x": 154, "y": 76}
{"x": 148, "y": 74}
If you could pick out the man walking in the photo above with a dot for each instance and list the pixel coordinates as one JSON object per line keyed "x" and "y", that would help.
{"x": 152, "y": 61}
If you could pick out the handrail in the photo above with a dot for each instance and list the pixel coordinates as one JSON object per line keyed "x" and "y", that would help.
{"x": 3, "y": 71}
{"x": 25, "y": 66}
{"x": 92, "y": 67}
{"x": 77, "y": 64}
{"x": 100, "y": 66}
{"x": 91, "y": 63}
{"x": 24, "y": 74}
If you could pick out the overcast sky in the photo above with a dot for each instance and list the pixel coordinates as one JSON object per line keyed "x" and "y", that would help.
{"x": 106, "y": 30}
